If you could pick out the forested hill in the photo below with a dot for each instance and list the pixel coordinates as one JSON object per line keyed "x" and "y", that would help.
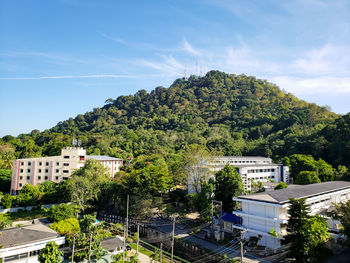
{"x": 234, "y": 114}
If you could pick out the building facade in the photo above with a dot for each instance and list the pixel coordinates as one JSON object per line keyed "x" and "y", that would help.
{"x": 56, "y": 168}
{"x": 250, "y": 168}
{"x": 269, "y": 210}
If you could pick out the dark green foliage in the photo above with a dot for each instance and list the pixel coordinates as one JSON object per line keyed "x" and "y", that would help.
{"x": 281, "y": 185}
{"x": 307, "y": 177}
{"x": 61, "y": 212}
{"x": 6, "y": 201}
{"x": 233, "y": 114}
{"x": 228, "y": 184}
{"x": 50, "y": 254}
{"x": 5, "y": 180}
{"x": 298, "y": 217}
{"x": 305, "y": 233}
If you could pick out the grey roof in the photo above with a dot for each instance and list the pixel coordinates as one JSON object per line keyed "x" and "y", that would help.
{"x": 112, "y": 243}
{"x": 297, "y": 191}
{"x": 103, "y": 158}
{"x": 243, "y": 157}
{"x": 25, "y": 235}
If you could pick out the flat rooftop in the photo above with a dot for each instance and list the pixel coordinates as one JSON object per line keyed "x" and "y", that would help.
{"x": 297, "y": 191}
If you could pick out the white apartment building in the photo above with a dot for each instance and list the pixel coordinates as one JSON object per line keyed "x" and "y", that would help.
{"x": 262, "y": 212}
{"x": 56, "y": 168}
{"x": 250, "y": 168}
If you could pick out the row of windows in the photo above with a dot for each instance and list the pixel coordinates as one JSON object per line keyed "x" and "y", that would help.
{"x": 260, "y": 170}
{"x": 39, "y": 178}
{"x": 46, "y": 170}
{"x": 46, "y": 163}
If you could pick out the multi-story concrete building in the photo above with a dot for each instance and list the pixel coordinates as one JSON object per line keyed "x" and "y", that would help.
{"x": 262, "y": 212}
{"x": 56, "y": 168}
{"x": 250, "y": 168}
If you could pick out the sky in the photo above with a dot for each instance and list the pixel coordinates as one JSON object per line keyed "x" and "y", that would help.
{"x": 60, "y": 58}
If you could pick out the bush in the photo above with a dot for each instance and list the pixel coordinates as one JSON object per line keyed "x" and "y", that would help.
{"x": 4, "y": 221}
{"x": 67, "y": 226}
{"x": 281, "y": 185}
{"x": 61, "y": 212}
{"x": 6, "y": 201}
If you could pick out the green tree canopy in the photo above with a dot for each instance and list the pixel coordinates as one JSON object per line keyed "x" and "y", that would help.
{"x": 228, "y": 184}
{"x": 307, "y": 177}
{"x": 84, "y": 186}
{"x": 61, "y": 212}
{"x": 281, "y": 185}
{"x": 305, "y": 233}
{"x": 50, "y": 254}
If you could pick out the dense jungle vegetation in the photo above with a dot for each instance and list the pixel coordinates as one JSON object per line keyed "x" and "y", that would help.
{"x": 227, "y": 113}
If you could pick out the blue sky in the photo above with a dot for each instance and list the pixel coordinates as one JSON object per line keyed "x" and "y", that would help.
{"x": 59, "y": 58}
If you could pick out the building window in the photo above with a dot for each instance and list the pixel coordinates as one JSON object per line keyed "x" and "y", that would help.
{"x": 40, "y": 163}
{"x": 57, "y": 170}
{"x": 46, "y": 177}
{"x": 66, "y": 157}
{"x": 65, "y": 171}
{"x": 28, "y": 177}
{"x": 21, "y": 177}
{"x": 66, "y": 164}
{"x": 57, "y": 163}
{"x": 39, "y": 170}
{"x": 21, "y": 170}
{"x": 29, "y": 163}
{"x": 19, "y": 185}
{"x": 28, "y": 170}
{"x": 46, "y": 170}
{"x": 47, "y": 163}
{"x": 82, "y": 158}
{"x": 22, "y": 163}
{"x": 39, "y": 177}
{"x": 56, "y": 177}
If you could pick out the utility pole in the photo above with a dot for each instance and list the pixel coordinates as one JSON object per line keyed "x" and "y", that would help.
{"x": 212, "y": 215}
{"x": 138, "y": 238}
{"x": 127, "y": 216}
{"x": 241, "y": 242}
{"x": 161, "y": 252}
{"x": 172, "y": 241}
{"x": 221, "y": 219}
{"x": 73, "y": 249}
{"x": 124, "y": 245}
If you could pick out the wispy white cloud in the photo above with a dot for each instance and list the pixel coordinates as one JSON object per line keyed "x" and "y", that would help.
{"x": 187, "y": 47}
{"x": 95, "y": 76}
{"x": 46, "y": 55}
{"x": 167, "y": 64}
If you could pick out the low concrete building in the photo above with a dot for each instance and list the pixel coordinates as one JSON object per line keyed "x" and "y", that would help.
{"x": 262, "y": 212}
{"x": 23, "y": 245}
{"x": 56, "y": 168}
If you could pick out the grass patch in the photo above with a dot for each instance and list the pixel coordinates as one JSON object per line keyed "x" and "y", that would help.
{"x": 26, "y": 215}
{"x": 141, "y": 250}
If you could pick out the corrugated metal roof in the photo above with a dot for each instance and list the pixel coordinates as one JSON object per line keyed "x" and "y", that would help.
{"x": 102, "y": 158}
{"x": 297, "y": 191}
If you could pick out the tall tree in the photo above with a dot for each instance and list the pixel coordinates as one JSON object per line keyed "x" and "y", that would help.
{"x": 306, "y": 233}
{"x": 228, "y": 184}
{"x": 84, "y": 186}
